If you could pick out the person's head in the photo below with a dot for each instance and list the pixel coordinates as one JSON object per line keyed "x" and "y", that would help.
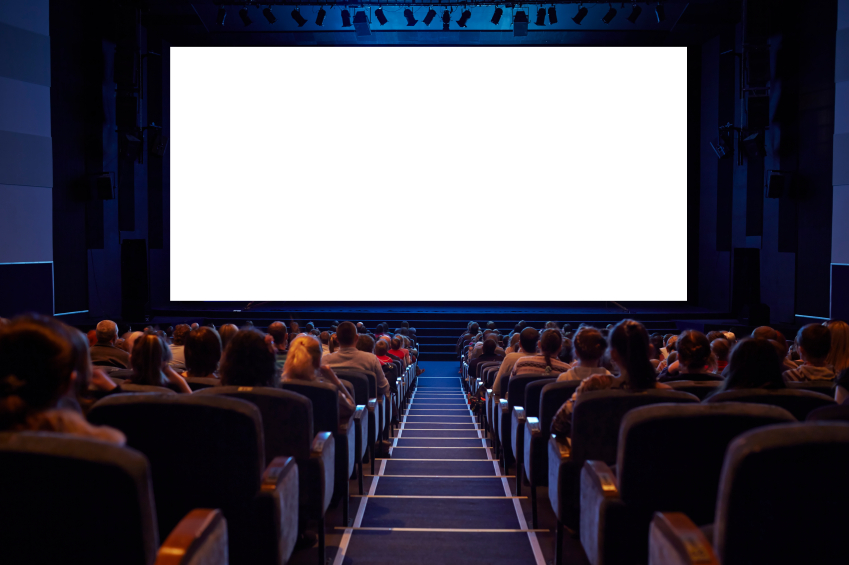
{"x": 814, "y": 343}
{"x": 514, "y": 340}
{"x": 838, "y": 355}
{"x": 310, "y": 327}
{"x": 181, "y": 332}
{"x": 324, "y": 337}
{"x": 491, "y": 325}
{"x": 203, "y": 352}
{"x": 764, "y": 332}
{"x": 528, "y": 340}
{"x": 334, "y": 343}
{"x": 565, "y": 354}
{"x": 248, "y": 361}
{"x": 106, "y": 332}
{"x": 365, "y": 343}
{"x": 671, "y": 343}
{"x": 405, "y": 325}
{"x": 92, "y": 337}
{"x": 629, "y": 350}
{"x": 549, "y": 344}
{"x": 489, "y": 346}
{"x": 474, "y": 328}
{"x": 226, "y": 333}
{"x": 303, "y": 359}
{"x": 693, "y": 351}
{"x": 753, "y": 363}
{"x": 147, "y": 358}
{"x": 277, "y": 330}
{"x": 720, "y": 348}
{"x": 552, "y": 326}
{"x": 347, "y": 334}
{"x": 380, "y": 348}
{"x": 37, "y": 365}
{"x": 589, "y": 345}
{"x": 395, "y": 343}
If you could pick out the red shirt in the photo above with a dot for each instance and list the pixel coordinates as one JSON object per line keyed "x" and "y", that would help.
{"x": 384, "y": 358}
{"x": 402, "y": 353}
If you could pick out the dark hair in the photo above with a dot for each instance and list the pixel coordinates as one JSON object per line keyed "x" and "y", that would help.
{"x": 380, "y": 348}
{"x": 277, "y": 330}
{"x": 181, "y": 332}
{"x": 310, "y": 327}
{"x": 324, "y": 337}
{"x": 346, "y": 333}
{"x": 715, "y": 334}
{"x": 720, "y": 348}
{"x": 147, "y": 358}
{"x": 365, "y": 343}
{"x": 754, "y": 363}
{"x": 693, "y": 350}
{"x": 203, "y": 352}
{"x": 631, "y": 342}
{"x": 405, "y": 325}
{"x": 248, "y": 361}
{"x": 528, "y": 338}
{"x": 36, "y": 362}
{"x": 764, "y": 332}
{"x": 333, "y": 344}
{"x": 815, "y": 339}
{"x": 395, "y": 343}
{"x": 226, "y": 333}
{"x": 489, "y": 346}
{"x": 474, "y": 328}
{"x": 589, "y": 343}
{"x": 565, "y": 354}
{"x": 549, "y": 344}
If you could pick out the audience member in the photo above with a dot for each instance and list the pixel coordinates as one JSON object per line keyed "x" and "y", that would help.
{"x": 565, "y": 354}
{"x": 489, "y": 354}
{"x": 104, "y": 352}
{"x": 588, "y": 348}
{"x": 324, "y": 337}
{"x": 333, "y": 344}
{"x": 398, "y": 351}
{"x": 720, "y": 349}
{"x": 178, "y": 347}
{"x": 304, "y": 364}
{"x": 349, "y": 357}
{"x": 365, "y": 343}
{"x": 203, "y": 353}
{"x": 546, "y": 363}
{"x": 150, "y": 363}
{"x": 249, "y": 360}
{"x": 277, "y": 330}
{"x": 514, "y": 344}
{"x": 838, "y": 354}
{"x": 694, "y": 356}
{"x": 764, "y": 332}
{"x": 226, "y": 333}
{"x": 477, "y": 350}
{"x": 753, "y": 363}
{"x": 92, "y": 337}
{"x": 528, "y": 338}
{"x": 813, "y": 342}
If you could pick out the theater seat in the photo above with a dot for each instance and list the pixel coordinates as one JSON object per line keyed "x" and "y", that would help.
{"x": 595, "y": 433}
{"x": 824, "y": 387}
{"x": 702, "y": 389}
{"x": 207, "y": 451}
{"x": 287, "y": 424}
{"x": 670, "y": 458}
{"x": 529, "y": 408}
{"x": 66, "y": 499}
{"x": 130, "y": 387}
{"x": 780, "y": 502}
{"x": 833, "y": 413}
{"x": 198, "y": 383}
{"x": 797, "y": 402}
{"x": 504, "y": 413}
{"x": 364, "y": 441}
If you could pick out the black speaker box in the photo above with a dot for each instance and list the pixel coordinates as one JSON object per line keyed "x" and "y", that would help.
{"x": 134, "y": 281}
{"x": 746, "y": 279}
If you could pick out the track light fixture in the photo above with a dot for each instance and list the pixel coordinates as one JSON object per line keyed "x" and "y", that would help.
{"x": 361, "y": 24}
{"x": 635, "y": 13}
{"x": 346, "y": 18}
{"x": 246, "y": 19}
{"x": 660, "y": 12}
{"x": 319, "y": 18}
{"x": 296, "y": 15}
{"x": 496, "y": 16}
{"x": 608, "y": 17}
{"x": 579, "y": 17}
{"x": 429, "y": 16}
{"x": 222, "y": 15}
{"x": 446, "y": 20}
{"x": 380, "y": 16}
{"x": 268, "y": 15}
{"x": 540, "y": 17}
{"x": 464, "y": 17}
{"x": 411, "y": 20}
{"x": 520, "y": 24}
{"x": 552, "y": 15}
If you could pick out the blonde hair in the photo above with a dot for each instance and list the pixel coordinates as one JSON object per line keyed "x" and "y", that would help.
{"x": 303, "y": 359}
{"x": 838, "y": 355}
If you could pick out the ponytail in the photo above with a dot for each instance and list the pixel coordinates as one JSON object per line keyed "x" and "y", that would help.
{"x": 549, "y": 344}
{"x": 631, "y": 341}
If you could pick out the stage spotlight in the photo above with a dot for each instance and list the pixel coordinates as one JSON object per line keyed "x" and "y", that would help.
{"x": 635, "y": 13}
{"x": 319, "y": 18}
{"x": 361, "y": 24}
{"x": 429, "y": 16}
{"x": 222, "y": 15}
{"x": 464, "y": 18}
{"x": 579, "y": 17}
{"x": 411, "y": 20}
{"x": 380, "y": 17}
{"x": 268, "y": 15}
{"x": 296, "y": 15}
{"x": 660, "y": 12}
{"x": 496, "y": 17}
{"x": 520, "y": 24}
{"x": 243, "y": 13}
{"x": 540, "y": 17}
{"x": 608, "y": 17}
{"x": 446, "y": 20}
{"x": 346, "y": 18}
{"x": 552, "y": 15}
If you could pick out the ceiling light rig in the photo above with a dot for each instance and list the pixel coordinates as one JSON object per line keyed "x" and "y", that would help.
{"x": 431, "y": 13}
{"x": 346, "y": 18}
{"x": 221, "y": 16}
{"x": 582, "y": 13}
{"x": 296, "y": 15}
{"x": 635, "y": 13}
{"x": 268, "y": 15}
{"x": 411, "y": 19}
{"x": 464, "y": 17}
{"x": 446, "y": 20}
{"x": 319, "y": 18}
{"x": 246, "y": 19}
{"x": 552, "y": 15}
{"x": 611, "y": 13}
{"x": 381, "y": 17}
{"x": 496, "y": 16}
{"x": 540, "y": 17}
{"x": 520, "y": 24}
{"x": 660, "y": 13}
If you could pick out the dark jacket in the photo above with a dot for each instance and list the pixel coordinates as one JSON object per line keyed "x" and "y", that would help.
{"x": 109, "y": 355}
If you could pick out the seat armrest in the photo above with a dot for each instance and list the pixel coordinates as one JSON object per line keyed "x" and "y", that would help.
{"x": 201, "y": 533}
{"x": 675, "y": 540}
{"x": 601, "y": 511}
{"x": 601, "y": 478}
{"x": 372, "y": 403}
{"x": 321, "y": 441}
{"x": 519, "y": 414}
{"x": 359, "y": 412}
{"x": 560, "y": 451}
{"x": 277, "y": 472}
{"x": 345, "y": 424}
{"x": 532, "y": 423}
{"x": 275, "y": 520}
{"x": 504, "y": 405}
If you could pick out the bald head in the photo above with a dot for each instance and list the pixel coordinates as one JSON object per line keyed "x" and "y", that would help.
{"x": 106, "y": 332}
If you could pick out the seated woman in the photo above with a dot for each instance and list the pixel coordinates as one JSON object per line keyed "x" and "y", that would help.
{"x": 380, "y": 349}
{"x": 304, "y": 364}
{"x": 149, "y": 361}
{"x": 588, "y": 347}
{"x": 629, "y": 351}
{"x": 754, "y": 363}
{"x": 546, "y": 362}
{"x": 248, "y": 360}
{"x": 694, "y": 360}
{"x": 38, "y": 366}
{"x": 203, "y": 353}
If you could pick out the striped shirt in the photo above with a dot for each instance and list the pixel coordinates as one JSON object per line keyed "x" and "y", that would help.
{"x": 536, "y": 365}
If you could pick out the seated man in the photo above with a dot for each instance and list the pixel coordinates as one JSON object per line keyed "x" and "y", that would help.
{"x": 813, "y": 343}
{"x": 105, "y": 352}
{"x": 477, "y": 351}
{"x": 489, "y": 354}
{"x": 278, "y": 332}
{"x": 528, "y": 339}
{"x": 380, "y": 349}
{"x": 349, "y": 357}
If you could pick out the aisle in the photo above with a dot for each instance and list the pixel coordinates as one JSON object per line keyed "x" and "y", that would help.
{"x": 439, "y": 498}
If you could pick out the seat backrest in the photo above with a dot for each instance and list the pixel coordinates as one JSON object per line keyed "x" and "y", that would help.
{"x": 824, "y": 387}
{"x": 670, "y": 455}
{"x": 287, "y": 420}
{"x": 779, "y": 501}
{"x": 198, "y": 383}
{"x": 833, "y": 413}
{"x": 325, "y": 403}
{"x": 484, "y": 365}
{"x": 551, "y": 399}
{"x": 391, "y": 372}
{"x": 130, "y": 387}
{"x": 205, "y": 451}
{"x": 702, "y": 389}
{"x": 797, "y": 402}
{"x": 516, "y": 388}
{"x": 533, "y": 392}
{"x": 360, "y": 382}
{"x": 67, "y": 499}
{"x": 488, "y": 375}
{"x": 597, "y": 415}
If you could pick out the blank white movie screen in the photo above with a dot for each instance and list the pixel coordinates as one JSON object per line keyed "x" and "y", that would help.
{"x": 428, "y": 174}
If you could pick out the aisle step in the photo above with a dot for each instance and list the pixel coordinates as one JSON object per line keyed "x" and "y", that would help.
{"x": 441, "y": 513}
{"x": 489, "y": 486}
